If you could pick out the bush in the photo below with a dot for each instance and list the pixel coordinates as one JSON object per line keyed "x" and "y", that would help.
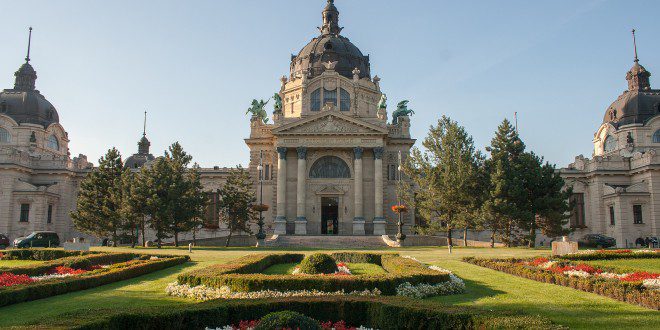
{"x": 610, "y": 255}
{"x": 287, "y": 320}
{"x": 42, "y": 254}
{"x": 235, "y": 275}
{"x": 318, "y": 263}
{"x": 118, "y": 272}
{"x": 361, "y": 257}
{"x": 76, "y": 261}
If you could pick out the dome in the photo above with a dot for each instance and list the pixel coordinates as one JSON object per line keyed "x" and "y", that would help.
{"x": 138, "y": 160}
{"x": 636, "y": 105}
{"x": 330, "y": 46}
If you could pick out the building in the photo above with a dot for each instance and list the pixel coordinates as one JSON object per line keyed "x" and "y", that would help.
{"x": 329, "y": 157}
{"x": 617, "y": 192}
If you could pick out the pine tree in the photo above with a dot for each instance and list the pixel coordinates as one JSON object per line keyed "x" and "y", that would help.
{"x": 132, "y": 209}
{"x": 447, "y": 174}
{"x": 99, "y": 203}
{"x": 236, "y": 201}
{"x": 154, "y": 183}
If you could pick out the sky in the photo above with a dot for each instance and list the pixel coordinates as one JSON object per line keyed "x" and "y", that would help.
{"x": 195, "y": 66}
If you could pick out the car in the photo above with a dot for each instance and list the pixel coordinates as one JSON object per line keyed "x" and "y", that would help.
{"x": 597, "y": 241}
{"x": 4, "y": 242}
{"x": 38, "y": 239}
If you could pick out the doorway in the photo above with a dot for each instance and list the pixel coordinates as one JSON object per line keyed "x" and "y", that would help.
{"x": 329, "y": 215}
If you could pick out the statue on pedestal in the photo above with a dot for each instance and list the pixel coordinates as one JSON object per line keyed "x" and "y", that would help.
{"x": 401, "y": 110}
{"x": 257, "y": 110}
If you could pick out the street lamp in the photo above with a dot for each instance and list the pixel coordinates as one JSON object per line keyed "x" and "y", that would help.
{"x": 400, "y": 236}
{"x": 261, "y": 207}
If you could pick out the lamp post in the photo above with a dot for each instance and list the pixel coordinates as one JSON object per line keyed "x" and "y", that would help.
{"x": 400, "y": 236}
{"x": 261, "y": 207}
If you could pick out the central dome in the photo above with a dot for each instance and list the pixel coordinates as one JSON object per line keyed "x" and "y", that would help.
{"x": 330, "y": 47}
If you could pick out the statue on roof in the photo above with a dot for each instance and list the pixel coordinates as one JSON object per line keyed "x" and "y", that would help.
{"x": 401, "y": 110}
{"x": 278, "y": 103}
{"x": 382, "y": 104}
{"x": 257, "y": 110}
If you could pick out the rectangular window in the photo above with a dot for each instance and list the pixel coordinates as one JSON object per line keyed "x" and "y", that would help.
{"x": 266, "y": 173}
{"x": 25, "y": 213}
{"x": 345, "y": 102}
{"x": 637, "y": 214}
{"x": 49, "y": 218}
{"x": 577, "y": 218}
{"x": 212, "y": 217}
{"x": 391, "y": 172}
{"x": 329, "y": 96}
{"x": 612, "y": 221}
{"x": 315, "y": 100}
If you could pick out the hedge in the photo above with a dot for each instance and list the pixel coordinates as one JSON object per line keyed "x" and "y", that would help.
{"x": 41, "y": 254}
{"x": 380, "y": 313}
{"x": 630, "y": 292}
{"x": 609, "y": 255}
{"x": 236, "y": 276}
{"x": 79, "y": 262}
{"x": 118, "y": 272}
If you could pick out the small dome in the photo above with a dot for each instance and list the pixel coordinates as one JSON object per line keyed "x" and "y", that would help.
{"x": 28, "y": 107}
{"x": 138, "y": 160}
{"x": 636, "y": 105}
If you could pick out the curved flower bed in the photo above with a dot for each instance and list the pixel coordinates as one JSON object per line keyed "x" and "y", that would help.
{"x": 17, "y": 286}
{"x": 405, "y": 277}
{"x": 641, "y": 288}
{"x": 611, "y": 254}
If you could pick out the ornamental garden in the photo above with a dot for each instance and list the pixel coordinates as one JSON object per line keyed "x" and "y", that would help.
{"x": 258, "y": 288}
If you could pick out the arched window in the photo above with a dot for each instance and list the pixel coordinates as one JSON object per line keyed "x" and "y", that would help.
{"x": 53, "y": 143}
{"x": 5, "y": 137}
{"x": 656, "y": 136}
{"x": 610, "y": 143}
{"x": 345, "y": 103}
{"x": 316, "y": 100}
{"x": 329, "y": 96}
{"x": 329, "y": 167}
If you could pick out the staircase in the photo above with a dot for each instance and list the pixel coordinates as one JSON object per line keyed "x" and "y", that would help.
{"x": 326, "y": 242}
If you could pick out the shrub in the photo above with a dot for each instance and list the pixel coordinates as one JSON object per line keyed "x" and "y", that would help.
{"x": 611, "y": 255}
{"x": 77, "y": 261}
{"x": 287, "y": 320}
{"x": 42, "y": 254}
{"x": 318, "y": 263}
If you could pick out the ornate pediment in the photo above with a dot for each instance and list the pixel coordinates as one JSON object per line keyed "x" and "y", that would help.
{"x": 330, "y": 191}
{"x": 330, "y": 124}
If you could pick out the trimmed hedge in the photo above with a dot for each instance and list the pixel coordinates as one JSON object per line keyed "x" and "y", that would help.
{"x": 609, "y": 256}
{"x": 380, "y": 313}
{"x": 41, "y": 254}
{"x": 234, "y": 275}
{"x": 118, "y": 272}
{"x": 78, "y": 261}
{"x": 318, "y": 263}
{"x": 630, "y": 292}
{"x": 287, "y": 320}
{"x": 361, "y": 257}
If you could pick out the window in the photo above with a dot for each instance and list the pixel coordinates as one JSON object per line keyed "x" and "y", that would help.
{"x": 345, "y": 103}
{"x": 656, "y": 136}
{"x": 53, "y": 143}
{"x": 267, "y": 172}
{"x": 212, "y": 216}
{"x": 610, "y": 143}
{"x": 5, "y": 137}
{"x": 316, "y": 100}
{"x": 329, "y": 167}
{"x": 612, "y": 222}
{"x": 25, "y": 213}
{"x": 637, "y": 214}
{"x": 392, "y": 172}
{"x": 577, "y": 218}
{"x": 329, "y": 96}
{"x": 3, "y": 106}
{"x": 49, "y": 218}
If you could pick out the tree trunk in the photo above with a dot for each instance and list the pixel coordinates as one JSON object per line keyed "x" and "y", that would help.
{"x": 532, "y": 234}
{"x": 492, "y": 239}
{"x": 176, "y": 238}
{"x": 228, "y": 238}
{"x": 144, "y": 242}
{"x": 158, "y": 241}
{"x": 114, "y": 238}
{"x": 449, "y": 241}
{"x": 465, "y": 230}
{"x": 508, "y": 234}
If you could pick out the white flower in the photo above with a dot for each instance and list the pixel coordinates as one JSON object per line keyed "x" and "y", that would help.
{"x": 645, "y": 251}
{"x": 153, "y": 258}
{"x": 343, "y": 269}
{"x": 411, "y": 258}
{"x": 547, "y": 265}
{"x": 652, "y": 284}
{"x": 50, "y": 277}
{"x": 610, "y": 275}
{"x": 577, "y": 273}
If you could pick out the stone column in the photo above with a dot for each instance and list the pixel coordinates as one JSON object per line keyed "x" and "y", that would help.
{"x": 379, "y": 220}
{"x": 358, "y": 220}
{"x": 301, "y": 220}
{"x": 280, "y": 219}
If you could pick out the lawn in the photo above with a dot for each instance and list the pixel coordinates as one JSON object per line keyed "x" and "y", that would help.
{"x": 356, "y": 269}
{"x": 486, "y": 289}
{"x": 649, "y": 265}
{"x": 15, "y": 263}
{"x": 280, "y": 269}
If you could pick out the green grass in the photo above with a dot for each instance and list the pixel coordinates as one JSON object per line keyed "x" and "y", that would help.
{"x": 485, "y": 289}
{"x": 365, "y": 269}
{"x": 280, "y": 269}
{"x": 648, "y": 265}
{"x": 16, "y": 263}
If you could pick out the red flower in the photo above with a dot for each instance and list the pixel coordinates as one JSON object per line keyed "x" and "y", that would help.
{"x": 61, "y": 270}
{"x": 244, "y": 325}
{"x": 1, "y": 255}
{"x": 399, "y": 208}
{"x": 587, "y": 268}
{"x": 9, "y": 279}
{"x": 341, "y": 264}
{"x": 640, "y": 276}
{"x": 539, "y": 261}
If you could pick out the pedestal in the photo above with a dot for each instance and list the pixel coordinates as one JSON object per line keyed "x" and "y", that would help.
{"x": 358, "y": 226}
{"x": 301, "y": 226}
{"x": 379, "y": 226}
{"x": 280, "y": 226}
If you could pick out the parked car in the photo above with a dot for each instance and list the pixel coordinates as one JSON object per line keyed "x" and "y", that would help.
{"x": 4, "y": 242}
{"x": 38, "y": 239}
{"x": 597, "y": 241}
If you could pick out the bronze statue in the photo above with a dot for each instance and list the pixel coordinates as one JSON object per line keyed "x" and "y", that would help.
{"x": 278, "y": 103}
{"x": 401, "y": 110}
{"x": 257, "y": 110}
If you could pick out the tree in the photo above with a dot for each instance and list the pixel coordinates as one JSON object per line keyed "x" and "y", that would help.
{"x": 154, "y": 184}
{"x": 236, "y": 201}
{"x": 133, "y": 207}
{"x": 447, "y": 174}
{"x": 186, "y": 195}
{"x": 99, "y": 203}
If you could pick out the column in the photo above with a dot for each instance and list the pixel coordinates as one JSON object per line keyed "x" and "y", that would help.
{"x": 379, "y": 220}
{"x": 280, "y": 219}
{"x": 301, "y": 220}
{"x": 358, "y": 220}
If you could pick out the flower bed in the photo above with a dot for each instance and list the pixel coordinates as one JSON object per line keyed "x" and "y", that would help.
{"x": 41, "y": 254}
{"x": 234, "y": 281}
{"x": 20, "y": 287}
{"x": 78, "y": 261}
{"x": 370, "y": 312}
{"x": 611, "y": 254}
{"x": 641, "y": 288}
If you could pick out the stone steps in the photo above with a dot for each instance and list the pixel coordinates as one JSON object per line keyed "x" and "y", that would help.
{"x": 292, "y": 241}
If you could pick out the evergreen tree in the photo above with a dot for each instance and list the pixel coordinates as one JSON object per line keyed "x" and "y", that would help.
{"x": 447, "y": 174}
{"x": 236, "y": 201}
{"x": 155, "y": 184}
{"x": 133, "y": 207}
{"x": 99, "y": 203}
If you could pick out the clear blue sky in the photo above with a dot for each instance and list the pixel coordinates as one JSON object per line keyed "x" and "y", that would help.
{"x": 196, "y": 65}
